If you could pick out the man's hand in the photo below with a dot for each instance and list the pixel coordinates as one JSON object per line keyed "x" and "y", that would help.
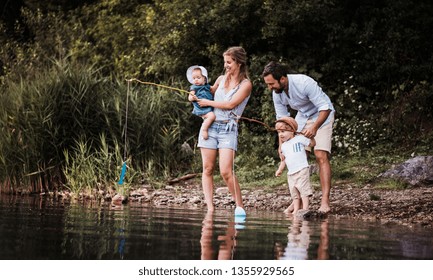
{"x": 309, "y": 132}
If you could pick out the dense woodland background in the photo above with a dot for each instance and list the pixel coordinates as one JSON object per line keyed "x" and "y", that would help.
{"x": 64, "y": 65}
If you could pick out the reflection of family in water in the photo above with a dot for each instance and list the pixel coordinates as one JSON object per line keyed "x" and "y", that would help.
{"x": 227, "y": 241}
{"x": 216, "y": 246}
{"x": 298, "y": 242}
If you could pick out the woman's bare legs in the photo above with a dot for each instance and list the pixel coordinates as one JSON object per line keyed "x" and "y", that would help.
{"x": 226, "y": 158}
{"x": 208, "y": 159}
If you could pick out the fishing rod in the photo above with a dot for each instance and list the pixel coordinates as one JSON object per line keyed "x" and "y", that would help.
{"x": 157, "y": 85}
{"x": 185, "y": 91}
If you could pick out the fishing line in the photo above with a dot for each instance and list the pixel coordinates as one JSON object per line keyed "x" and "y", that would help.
{"x": 123, "y": 172}
{"x": 126, "y": 119}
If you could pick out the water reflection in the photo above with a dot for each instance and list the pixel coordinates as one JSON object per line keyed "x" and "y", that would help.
{"x": 299, "y": 239}
{"x": 222, "y": 246}
{"x": 35, "y": 228}
{"x": 226, "y": 246}
{"x": 322, "y": 250}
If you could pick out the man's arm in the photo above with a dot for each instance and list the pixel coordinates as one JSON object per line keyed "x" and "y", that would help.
{"x": 312, "y": 130}
{"x": 280, "y": 108}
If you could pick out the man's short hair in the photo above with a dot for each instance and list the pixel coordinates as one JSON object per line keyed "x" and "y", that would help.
{"x": 276, "y": 69}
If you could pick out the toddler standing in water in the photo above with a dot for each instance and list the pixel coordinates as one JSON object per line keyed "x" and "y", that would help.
{"x": 295, "y": 157}
{"x": 200, "y": 89}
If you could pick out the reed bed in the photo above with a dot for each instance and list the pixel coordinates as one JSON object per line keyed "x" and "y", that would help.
{"x": 65, "y": 128}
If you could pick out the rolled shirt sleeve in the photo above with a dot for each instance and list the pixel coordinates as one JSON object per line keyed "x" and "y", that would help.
{"x": 316, "y": 95}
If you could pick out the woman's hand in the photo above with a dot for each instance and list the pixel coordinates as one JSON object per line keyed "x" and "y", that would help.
{"x": 203, "y": 102}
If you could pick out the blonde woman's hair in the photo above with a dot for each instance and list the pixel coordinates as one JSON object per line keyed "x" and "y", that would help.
{"x": 239, "y": 55}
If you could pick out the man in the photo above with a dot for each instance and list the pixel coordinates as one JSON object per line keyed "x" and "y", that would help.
{"x": 315, "y": 115}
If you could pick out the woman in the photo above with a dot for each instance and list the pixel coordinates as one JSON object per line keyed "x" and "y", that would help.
{"x": 231, "y": 93}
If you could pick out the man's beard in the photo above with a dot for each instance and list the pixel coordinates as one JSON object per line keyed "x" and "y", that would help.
{"x": 280, "y": 89}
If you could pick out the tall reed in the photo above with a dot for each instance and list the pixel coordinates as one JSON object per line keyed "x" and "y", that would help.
{"x": 66, "y": 127}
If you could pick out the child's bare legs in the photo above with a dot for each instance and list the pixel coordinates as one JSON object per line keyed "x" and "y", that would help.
{"x": 296, "y": 203}
{"x": 305, "y": 205}
{"x": 207, "y": 121}
{"x": 289, "y": 209}
{"x": 305, "y": 202}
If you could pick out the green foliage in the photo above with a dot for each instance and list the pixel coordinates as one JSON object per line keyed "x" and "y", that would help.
{"x": 364, "y": 168}
{"x": 80, "y": 172}
{"x": 63, "y": 70}
{"x": 70, "y": 114}
{"x": 392, "y": 184}
{"x": 247, "y": 167}
{"x": 93, "y": 171}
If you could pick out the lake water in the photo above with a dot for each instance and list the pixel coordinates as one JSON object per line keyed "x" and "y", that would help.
{"x": 40, "y": 228}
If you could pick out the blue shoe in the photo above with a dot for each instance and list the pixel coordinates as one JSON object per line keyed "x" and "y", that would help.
{"x": 239, "y": 226}
{"x": 240, "y": 222}
{"x": 239, "y": 211}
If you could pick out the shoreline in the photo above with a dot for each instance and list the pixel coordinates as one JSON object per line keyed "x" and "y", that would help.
{"x": 411, "y": 207}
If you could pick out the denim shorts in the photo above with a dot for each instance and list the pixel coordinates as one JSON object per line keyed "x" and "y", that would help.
{"x": 220, "y": 137}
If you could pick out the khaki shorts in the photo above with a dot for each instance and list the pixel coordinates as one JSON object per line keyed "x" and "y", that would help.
{"x": 323, "y": 137}
{"x": 300, "y": 182}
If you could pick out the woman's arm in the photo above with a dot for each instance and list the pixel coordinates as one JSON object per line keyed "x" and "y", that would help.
{"x": 216, "y": 85}
{"x": 243, "y": 92}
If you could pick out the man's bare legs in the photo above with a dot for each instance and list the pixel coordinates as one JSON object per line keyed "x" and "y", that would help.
{"x": 208, "y": 158}
{"x": 207, "y": 122}
{"x": 322, "y": 159}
